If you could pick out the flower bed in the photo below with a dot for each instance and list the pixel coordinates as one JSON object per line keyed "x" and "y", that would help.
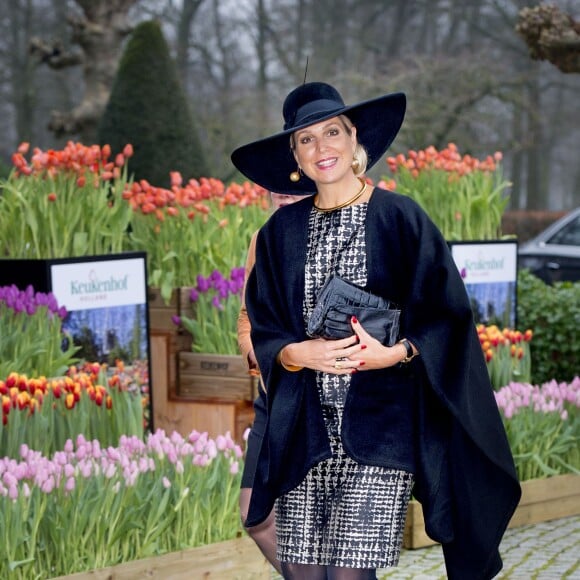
{"x": 158, "y": 496}
{"x": 32, "y": 336}
{"x": 193, "y": 229}
{"x": 214, "y": 307}
{"x": 507, "y": 354}
{"x": 77, "y": 202}
{"x": 54, "y": 400}
{"x": 543, "y": 428}
{"x": 463, "y": 195}
{"x": 64, "y": 203}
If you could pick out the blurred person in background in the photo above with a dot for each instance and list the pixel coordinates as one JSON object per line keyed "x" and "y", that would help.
{"x": 263, "y": 534}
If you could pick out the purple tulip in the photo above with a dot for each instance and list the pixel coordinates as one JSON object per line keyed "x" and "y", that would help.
{"x": 193, "y": 295}
{"x": 203, "y": 284}
{"x": 216, "y": 276}
{"x": 28, "y": 301}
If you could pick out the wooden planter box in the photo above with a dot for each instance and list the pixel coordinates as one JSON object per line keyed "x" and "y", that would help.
{"x": 239, "y": 558}
{"x": 192, "y": 391}
{"x": 214, "y": 377}
{"x": 542, "y": 500}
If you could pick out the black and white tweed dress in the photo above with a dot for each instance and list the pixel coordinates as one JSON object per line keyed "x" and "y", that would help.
{"x": 343, "y": 513}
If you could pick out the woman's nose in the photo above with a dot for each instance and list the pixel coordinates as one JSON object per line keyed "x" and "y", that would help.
{"x": 321, "y": 144}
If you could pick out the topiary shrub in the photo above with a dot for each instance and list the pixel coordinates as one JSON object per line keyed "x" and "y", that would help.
{"x": 553, "y": 313}
{"x": 149, "y": 109}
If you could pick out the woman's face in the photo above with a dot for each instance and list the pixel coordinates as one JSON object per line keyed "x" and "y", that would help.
{"x": 325, "y": 150}
{"x": 281, "y": 199}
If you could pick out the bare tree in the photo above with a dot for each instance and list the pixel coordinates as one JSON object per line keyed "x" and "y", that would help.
{"x": 98, "y": 30}
{"x": 187, "y": 16}
{"x": 21, "y": 68}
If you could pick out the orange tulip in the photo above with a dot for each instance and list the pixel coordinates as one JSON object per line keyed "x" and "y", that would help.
{"x": 6, "y": 404}
{"x": 69, "y": 401}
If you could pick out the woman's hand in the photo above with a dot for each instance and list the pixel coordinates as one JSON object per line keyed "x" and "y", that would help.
{"x": 375, "y": 355}
{"x": 330, "y": 356}
{"x": 345, "y": 356}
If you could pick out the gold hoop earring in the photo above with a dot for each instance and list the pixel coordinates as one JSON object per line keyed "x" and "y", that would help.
{"x": 295, "y": 175}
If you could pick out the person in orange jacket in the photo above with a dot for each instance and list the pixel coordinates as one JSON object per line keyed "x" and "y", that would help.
{"x": 264, "y": 534}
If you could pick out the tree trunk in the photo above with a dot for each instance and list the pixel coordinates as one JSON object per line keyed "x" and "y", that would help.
{"x": 261, "y": 50}
{"x": 517, "y": 161}
{"x": 535, "y": 189}
{"x": 20, "y": 15}
{"x": 190, "y": 8}
{"x": 99, "y": 32}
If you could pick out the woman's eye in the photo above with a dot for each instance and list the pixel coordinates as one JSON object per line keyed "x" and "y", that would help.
{"x": 333, "y": 132}
{"x": 305, "y": 140}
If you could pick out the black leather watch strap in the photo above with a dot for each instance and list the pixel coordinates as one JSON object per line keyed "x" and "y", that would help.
{"x": 409, "y": 349}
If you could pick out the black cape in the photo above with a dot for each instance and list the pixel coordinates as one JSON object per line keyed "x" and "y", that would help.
{"x": 464, "y": 471}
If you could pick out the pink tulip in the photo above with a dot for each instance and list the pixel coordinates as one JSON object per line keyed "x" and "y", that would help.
{"x": 221, "y": 442}
{"x": 48, "y": 485}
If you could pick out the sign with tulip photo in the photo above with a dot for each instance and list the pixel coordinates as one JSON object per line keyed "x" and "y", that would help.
{"x": 489, "y": 271}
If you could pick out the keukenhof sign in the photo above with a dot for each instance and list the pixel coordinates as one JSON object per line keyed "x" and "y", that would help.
{"x": 106, "y": 302}
{"x": 489, "y": 270}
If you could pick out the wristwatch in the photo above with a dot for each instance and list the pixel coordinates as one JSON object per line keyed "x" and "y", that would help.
{"x": 410, "y": 354}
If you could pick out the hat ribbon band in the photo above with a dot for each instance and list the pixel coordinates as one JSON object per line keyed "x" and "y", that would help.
{"x": 313, "y": 111}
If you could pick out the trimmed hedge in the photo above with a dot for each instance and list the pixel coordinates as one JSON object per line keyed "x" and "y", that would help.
{"x": 149, "y": 109}
{"x": 553, "y": 313}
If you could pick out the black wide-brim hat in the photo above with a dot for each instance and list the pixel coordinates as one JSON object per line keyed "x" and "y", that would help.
{"x": 269, "y": 162}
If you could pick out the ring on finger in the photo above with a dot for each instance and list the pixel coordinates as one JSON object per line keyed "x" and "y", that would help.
{"x": 338, "y": 363}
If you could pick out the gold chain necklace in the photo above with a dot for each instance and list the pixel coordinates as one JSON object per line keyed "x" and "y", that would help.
{"x": 347, "y": 202}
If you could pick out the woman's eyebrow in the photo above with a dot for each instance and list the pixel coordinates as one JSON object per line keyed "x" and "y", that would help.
{"x": 307, "y": 130}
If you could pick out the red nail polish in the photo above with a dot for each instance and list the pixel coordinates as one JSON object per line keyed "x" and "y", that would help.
{"x": 353, "y": 371}
{"x": 363, "y": 346}
{"x": 362, "y": 362}
{"x": 354, "y": 319}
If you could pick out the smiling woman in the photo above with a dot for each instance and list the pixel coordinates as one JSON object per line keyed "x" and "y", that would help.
{"x": 354, "y": 423}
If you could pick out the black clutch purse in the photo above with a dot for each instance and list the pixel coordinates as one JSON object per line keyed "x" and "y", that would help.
{"x": 339, "y": 300}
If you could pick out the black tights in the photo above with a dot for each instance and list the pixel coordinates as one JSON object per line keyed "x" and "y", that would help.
{"x": 315, "y": 572}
